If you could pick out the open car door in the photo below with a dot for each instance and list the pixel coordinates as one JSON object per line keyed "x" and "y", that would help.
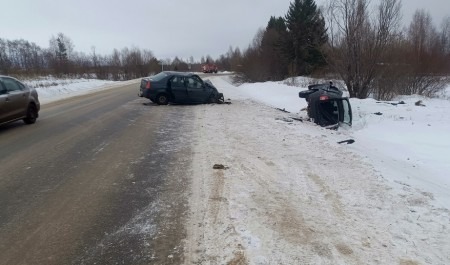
{"x": 332, "y": 112}
{"x": 346, "y": 112}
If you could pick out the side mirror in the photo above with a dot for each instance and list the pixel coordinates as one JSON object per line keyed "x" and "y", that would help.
{"x": 3, "y": 91}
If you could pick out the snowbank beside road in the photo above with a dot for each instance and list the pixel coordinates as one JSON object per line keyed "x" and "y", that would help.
{"x": 409, "y": 144}
{"x": 52, "y": 89}
{"x": 292, "y": 195}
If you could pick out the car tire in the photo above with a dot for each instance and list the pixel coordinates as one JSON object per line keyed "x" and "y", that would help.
{"x": 162, "y": 99}
{"x": 32, "y": 114}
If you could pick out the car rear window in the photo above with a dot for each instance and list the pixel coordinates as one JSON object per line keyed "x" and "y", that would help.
{"x": 158, "y": 77}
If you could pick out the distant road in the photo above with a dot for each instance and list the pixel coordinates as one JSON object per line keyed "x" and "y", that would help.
{"x": 99, "y": 179}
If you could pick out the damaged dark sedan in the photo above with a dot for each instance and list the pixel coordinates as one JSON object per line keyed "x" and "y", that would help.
{"x": 179, "y": 87}
{"x": 326, "y": 105}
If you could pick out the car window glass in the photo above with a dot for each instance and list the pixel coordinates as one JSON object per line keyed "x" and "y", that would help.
{"x": 22, "y": 86}
{"x": 193, "y": 82}
{"x": 347, "y": 117}
{"x": 177, "y": 81}
{"x": 2, "y": 89}
{"x": 196, "y": 78}
{"x": 173, "y": 82}
{"x": 158, "y": 77}
{"x": 11, "y": 85}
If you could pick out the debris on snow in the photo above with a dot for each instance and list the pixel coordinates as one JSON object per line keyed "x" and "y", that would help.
{"x": 419, "y": 103}
{"x": 349, "y": 141}
{"x": 219, "y": 166}
{"x": 283, "y": 110}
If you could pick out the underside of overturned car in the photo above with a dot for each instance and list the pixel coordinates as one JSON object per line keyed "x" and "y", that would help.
{"x": 326, "y": 105}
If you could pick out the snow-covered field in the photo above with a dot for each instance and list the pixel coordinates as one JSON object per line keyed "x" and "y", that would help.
{"x": 292, "y": 195}
{"x": 409, "y": 144}
{"x": 53, "y": 89}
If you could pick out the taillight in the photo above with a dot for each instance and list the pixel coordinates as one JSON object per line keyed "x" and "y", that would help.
{"x": 324, "y": 97}
{"x": 147, "y": 86}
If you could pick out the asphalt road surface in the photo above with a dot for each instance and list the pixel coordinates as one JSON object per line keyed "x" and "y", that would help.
{"x": 99, "y": 179}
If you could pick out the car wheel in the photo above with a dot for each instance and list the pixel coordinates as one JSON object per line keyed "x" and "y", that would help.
{"x": 162, "y": 99}
{"x": 32, "y": 114}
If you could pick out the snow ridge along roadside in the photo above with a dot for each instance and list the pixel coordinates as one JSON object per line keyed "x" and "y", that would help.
{"x": 291, "y": 195}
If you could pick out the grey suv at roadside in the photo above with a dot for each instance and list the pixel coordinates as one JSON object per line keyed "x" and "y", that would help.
{"x": 17, "y": 101}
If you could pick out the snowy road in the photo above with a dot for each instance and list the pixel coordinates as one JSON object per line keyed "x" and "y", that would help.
{"x": 97, "y": 180}
{"x": 117, "y": 181}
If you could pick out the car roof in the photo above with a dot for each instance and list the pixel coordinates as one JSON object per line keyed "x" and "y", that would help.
{"x": 179, "y": 73}
{"x": 1, "y": 76}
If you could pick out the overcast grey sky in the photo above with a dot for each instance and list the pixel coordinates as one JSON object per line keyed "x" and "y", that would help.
{"x": 168, "y": 28}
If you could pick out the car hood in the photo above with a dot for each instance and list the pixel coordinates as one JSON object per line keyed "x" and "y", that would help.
{"x": 210, "y": 84}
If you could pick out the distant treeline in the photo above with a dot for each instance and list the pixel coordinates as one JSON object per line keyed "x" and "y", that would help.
{"x": 346, "y": 39}
{"x": 20, "y": 57}
{"x": 24, "y": 58}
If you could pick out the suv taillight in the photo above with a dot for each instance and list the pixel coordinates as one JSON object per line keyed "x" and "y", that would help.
{"x": 324, "y": 97}
{"x": 147, "y": 86}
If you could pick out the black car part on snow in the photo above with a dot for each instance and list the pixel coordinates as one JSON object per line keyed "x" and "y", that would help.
{"x": 326, "y": 106}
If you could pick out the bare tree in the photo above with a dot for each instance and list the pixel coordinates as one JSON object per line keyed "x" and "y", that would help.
{"x": 100, "y": 65}
{"x": 235, "y": 58}
{"x": 253, "y": 67}
{"x": 61, "y": 47}
{"x": 427, "y": 56}
{"x": 82, "y": 64}
{"x": 20, "y": 57}
{"x": 116, "y": 65}
{"x": 422, "y": 35}
{"x": 445, "y": 40}
{"x": 358, "y": 41}
{"x": 5, "y": 62}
